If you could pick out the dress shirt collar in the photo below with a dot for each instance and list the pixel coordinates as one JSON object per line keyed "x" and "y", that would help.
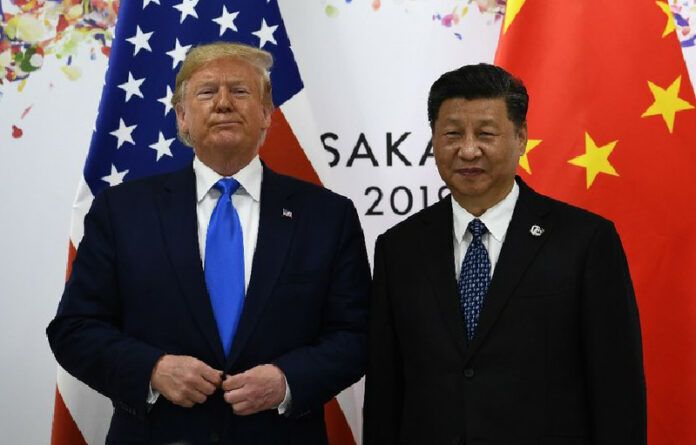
{"x": 249, "y": 178}
{"x": 497, "y": 218}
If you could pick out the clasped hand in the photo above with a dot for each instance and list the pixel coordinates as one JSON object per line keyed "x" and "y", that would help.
{"x": 185, "y": 381}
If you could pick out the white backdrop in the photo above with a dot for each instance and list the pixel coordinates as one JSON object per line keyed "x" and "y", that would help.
{"x": 366, "y": 71}
{"x": 38, "y": 178}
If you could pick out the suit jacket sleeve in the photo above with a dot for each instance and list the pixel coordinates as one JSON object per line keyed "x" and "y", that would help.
{"x": 612, "y": 343}
{"x": 384, "y": 380}
{"x": 85, "y": 335}
{"x": 318, "y": 372}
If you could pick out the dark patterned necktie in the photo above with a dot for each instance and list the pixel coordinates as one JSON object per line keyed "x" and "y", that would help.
{"x": 474, "y": 278}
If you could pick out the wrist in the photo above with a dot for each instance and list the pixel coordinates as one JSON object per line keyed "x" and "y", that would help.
{"x": 154, "y": 375}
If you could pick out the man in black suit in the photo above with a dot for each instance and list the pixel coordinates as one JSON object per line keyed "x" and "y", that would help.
{"x": 210, "y": 312}
{"x": 500, "y": 316}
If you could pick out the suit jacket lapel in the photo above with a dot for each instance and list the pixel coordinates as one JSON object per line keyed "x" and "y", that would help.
{"x": 519, "y": 249}
{"x": 177, "y": 208}
{"x": 438, "y": 253}
{"x": 273, "y": 242}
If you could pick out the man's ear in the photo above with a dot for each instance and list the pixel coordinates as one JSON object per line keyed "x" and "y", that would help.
{"x": 522, "y": 138}
{"x": 181, "y": 118}
{"x": 267, "y": 112}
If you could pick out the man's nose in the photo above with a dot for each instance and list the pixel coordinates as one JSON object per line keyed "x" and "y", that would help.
{"x": 469, "y": 148}
{"x": 224, "y": 100}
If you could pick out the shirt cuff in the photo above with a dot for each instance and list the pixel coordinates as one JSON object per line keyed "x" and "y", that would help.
{"x": 284, "y": 406}
{"x": 152, "y": 395}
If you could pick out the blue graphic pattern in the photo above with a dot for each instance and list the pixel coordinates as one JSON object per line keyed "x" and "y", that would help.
{"x": 474, "y": 279}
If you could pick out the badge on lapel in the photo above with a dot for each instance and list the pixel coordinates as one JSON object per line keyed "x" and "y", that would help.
{"x": 287, "y": 213}
{"x": 536, "y": 230}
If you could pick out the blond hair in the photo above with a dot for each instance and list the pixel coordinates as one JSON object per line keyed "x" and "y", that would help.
{"x": 260, "y": 60}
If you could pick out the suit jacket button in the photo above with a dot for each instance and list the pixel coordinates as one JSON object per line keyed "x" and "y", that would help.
{"x": 214, "y": 437}
{"x": 468, "y": 373}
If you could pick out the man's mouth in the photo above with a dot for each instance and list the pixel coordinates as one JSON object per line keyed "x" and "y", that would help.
{"x": 470, "y": 171}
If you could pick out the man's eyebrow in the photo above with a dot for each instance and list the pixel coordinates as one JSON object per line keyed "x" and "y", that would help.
{"x": 205, "y": 83}
{"x": 488, "y": 122}
{"x": 480, "y": 122}
{"x": 451, "y": 120}
{"x": 237, "y": 82}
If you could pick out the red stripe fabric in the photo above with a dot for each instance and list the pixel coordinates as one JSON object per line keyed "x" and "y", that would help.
{"x": 64, "y": 431}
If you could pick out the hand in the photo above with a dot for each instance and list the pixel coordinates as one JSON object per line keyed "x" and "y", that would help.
{"x": 257, "y": 389}
{"x": 184, "y": 380}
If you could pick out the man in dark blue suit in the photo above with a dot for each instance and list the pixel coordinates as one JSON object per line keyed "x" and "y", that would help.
{"x": 223, "y": 303}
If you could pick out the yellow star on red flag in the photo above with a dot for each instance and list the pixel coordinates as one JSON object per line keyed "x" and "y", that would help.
{"x": 667, "y": 102}
{"x": 524, "y": 160}
{"x": 511, "y": 10}
{"x": 670, "y": 26}
{"x": 595, "y": 160}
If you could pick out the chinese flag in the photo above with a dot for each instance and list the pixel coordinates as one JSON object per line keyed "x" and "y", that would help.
{"x": 612, "y": 129}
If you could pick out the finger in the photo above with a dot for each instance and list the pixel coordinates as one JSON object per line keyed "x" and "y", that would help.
{"x": 243, "y": 408}
{"x": 212, "y": 375}
{"x": 182, "y": 399}
{"x": 234, "y": 382}
{"x": 204, "y": 386}
{"x": 236, "y": 396}
{"x": 196, "y": 396}
{"x": 186, "y": 403}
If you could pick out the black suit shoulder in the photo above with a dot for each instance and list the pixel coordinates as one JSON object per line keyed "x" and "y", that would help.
{"x": 566, "y": 217}
{"x": 571, "y": 213}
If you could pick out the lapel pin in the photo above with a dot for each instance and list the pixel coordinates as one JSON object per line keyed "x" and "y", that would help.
{"x": 287, "y": 213}
{"x": 536, "y": 230}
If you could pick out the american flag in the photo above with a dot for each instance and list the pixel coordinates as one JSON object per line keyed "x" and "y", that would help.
{"x": 135, "y": 136}
{"x": 136, "y": 127}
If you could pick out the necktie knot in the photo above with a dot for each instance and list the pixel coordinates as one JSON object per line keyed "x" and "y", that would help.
{"x": 477, "y": 228}
{"x": 227, "y": 186}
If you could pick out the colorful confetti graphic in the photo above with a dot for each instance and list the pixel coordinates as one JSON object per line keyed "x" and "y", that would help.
{"x": 494, "y": 8}
{"x": 31, "y": 30}
{"x": 449, "y": 18}
{"x": 683, "y": 11}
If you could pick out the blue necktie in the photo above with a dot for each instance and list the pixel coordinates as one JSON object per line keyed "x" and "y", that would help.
{"x": 224, "y": 263}
{"x": 474, "y": 278}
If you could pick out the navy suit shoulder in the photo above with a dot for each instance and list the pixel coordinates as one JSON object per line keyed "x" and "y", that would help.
{"x": 311, "y": 193}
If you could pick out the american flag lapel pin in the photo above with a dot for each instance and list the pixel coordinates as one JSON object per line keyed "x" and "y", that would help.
{"x": 287, "y": 213}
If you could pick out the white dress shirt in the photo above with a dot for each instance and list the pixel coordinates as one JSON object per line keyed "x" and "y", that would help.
{"x": 497, "y": 219}
{"x": 247, "y": 202}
